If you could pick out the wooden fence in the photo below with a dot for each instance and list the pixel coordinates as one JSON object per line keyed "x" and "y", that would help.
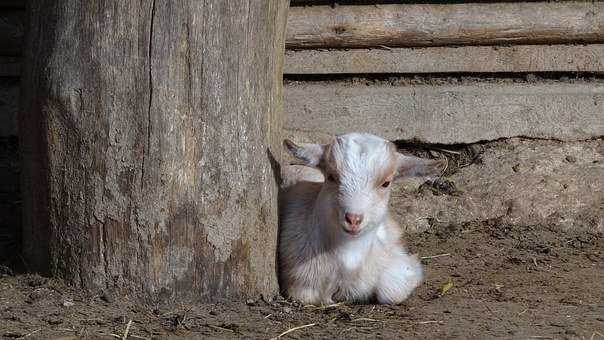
{"x": 486, "y": 70}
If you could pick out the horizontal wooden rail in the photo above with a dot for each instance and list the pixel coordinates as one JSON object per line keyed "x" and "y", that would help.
{"x": 466, "y": 59}
{"x": 445, "y": 24}
{"x": 452, "y": 113}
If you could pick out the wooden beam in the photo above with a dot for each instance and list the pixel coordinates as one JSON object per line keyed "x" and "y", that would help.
{"x": 382, "y": 2}
{"x": 523, "y": 58}
{"x": 440, "y": 25}
{"x": 464, "y": 113}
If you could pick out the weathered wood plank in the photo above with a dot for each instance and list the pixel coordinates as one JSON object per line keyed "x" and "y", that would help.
{"x": 522, "y": 58}
{"x": 438, "y": 25}
{"x": 446, "y": 113}
{"x": 382, "y": 2}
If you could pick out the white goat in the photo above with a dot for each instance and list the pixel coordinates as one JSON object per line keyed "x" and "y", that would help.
{"x": 337, "y": 239}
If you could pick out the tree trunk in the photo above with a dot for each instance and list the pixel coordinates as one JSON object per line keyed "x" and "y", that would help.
{"x": 148, "y": 134}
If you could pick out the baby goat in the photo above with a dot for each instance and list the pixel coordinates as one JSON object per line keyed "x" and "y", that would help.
{"x": 337, "y": 239}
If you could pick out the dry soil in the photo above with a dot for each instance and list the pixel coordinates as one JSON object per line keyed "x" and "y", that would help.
{"x": 483, "y": 280}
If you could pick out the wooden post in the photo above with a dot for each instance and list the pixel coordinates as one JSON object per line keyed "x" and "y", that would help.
{"x": 147, "y": 135}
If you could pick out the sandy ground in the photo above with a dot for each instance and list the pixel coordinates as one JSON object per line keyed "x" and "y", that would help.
{"x": 532, "y": 267}
{"x": 483, "y": 280}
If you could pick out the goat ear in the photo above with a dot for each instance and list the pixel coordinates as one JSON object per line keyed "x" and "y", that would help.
{"x": 409, "y": 166}
{"x": 310, "y": 154}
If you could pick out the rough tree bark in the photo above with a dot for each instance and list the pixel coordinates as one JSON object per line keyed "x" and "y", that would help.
{"x": 148, "y": 130}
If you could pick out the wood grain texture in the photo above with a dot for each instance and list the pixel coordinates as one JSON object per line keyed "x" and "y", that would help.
{"x": 467, "y": 59}
{"x": 440, "y": 25}
{"x": 147, "y": 135}
{"x": 446, "y": 113}
{"x": 381, "y": 2}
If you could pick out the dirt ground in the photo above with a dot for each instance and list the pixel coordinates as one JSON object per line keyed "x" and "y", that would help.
{"x": 483, "y": 280}
{"x": 532, "y": 268}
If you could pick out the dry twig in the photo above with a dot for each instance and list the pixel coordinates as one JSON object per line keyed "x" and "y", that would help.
{"x": 30, "y": 333}
{"x": 434, "y": 256}
{"x": 221, "y": 328}
{"x": 429, "y": 321}
{"x": 127, "y": 330}
{"x": 365, "y": 319}
{"x": 596, "y": 333}
{"x": 293, "y": 329}
{"x": 448, "y": 151}
{"x": 333, "y": 305}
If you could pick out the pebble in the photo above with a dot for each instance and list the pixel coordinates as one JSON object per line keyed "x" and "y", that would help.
{"x": 108, "y": 297}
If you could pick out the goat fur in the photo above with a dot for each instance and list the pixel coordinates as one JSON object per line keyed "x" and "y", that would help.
{"x": 319, "y": 262}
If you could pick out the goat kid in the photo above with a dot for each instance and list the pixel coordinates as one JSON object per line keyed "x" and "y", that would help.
{"x": 337, "y": 239}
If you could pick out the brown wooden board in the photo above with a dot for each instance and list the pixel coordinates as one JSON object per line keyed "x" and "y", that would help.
{"x": 405, "y": 25}
{"x": 382, "y": 2}
{"x": 447, "y": 113}
{"x": 484, "y": 59}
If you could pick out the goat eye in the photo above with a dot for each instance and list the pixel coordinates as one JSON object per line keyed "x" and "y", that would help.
{"x": 331, "y": 178}
{"x": 386, "y": 184}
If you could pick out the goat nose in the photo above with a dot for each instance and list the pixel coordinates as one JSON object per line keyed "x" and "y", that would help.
{"x": 354, "y": 219}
